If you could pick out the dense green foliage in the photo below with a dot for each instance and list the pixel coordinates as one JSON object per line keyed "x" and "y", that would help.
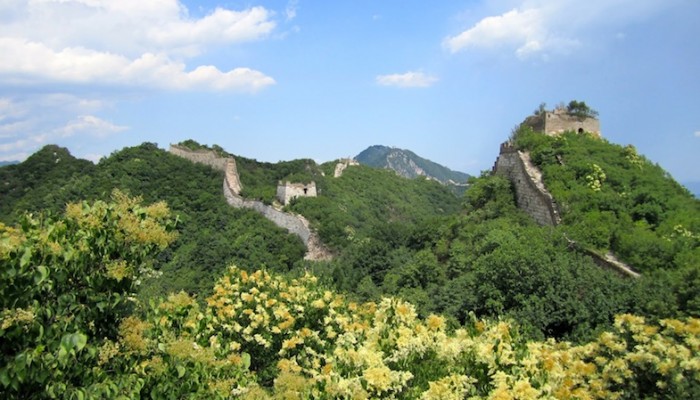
{"x": 212, "y": 234}
{"x": 613, "y": 198}
{"x": 70, "y": 329}
{"x": 492, "y": 260}
{"x": 38, "y": 183}
{"x": 416, "y": 240}
{"x": 580, "y": 109}
{"x": 350, "y": 208}
{"x": 65, "y": 281}
{"x": 260, "y": 179}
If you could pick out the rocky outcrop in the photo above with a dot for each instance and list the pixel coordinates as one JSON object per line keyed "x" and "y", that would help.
{"x": 294, "y": 223}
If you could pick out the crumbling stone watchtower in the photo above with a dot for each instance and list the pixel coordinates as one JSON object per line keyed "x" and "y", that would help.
{"x": 287, "y": 191}
{"x": 559, "y": 120}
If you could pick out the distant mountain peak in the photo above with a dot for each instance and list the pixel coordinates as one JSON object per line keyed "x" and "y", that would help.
{"x": 408, "y": 164}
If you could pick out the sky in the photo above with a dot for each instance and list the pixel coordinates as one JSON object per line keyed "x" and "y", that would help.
{"x": 287, "y": 79}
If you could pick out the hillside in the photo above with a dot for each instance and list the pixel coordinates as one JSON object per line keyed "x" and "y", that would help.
{"x": 211, "y": 234}
{"x": 65, "y": 330}
{"x": 408, "y": 164}
{"x": 613, "y": 199}
{"x": 410, "y": 238}
{"x": 39, "y": 183}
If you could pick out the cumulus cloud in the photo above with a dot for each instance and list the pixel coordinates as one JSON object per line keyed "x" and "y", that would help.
{"x": 32, "y": 62}
{"x": 541, "y": 27}
{"x": 125, "y": 42}
{"x": 90, "y": 125}
{"x": 29, "y": 122}
{"x": 407, "y": 80}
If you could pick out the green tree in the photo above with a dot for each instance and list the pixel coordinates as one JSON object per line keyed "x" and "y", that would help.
{"x": 65, "y": 286}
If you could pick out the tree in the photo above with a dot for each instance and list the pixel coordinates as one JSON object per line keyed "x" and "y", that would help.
{"x": 580, "y": 109}
{"x": 66, "y": 284}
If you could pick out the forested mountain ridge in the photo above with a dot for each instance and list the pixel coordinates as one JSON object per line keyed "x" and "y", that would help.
{"x": 408, "y": 164}
{"x": 485, "y": 283}
{"x": 410, "y": 238}
{"x": 613, "y": 199}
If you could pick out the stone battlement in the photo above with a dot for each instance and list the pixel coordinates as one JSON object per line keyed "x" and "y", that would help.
{"x": 288, "y": 191}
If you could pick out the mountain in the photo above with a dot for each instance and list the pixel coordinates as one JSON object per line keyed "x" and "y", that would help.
{"x": 413, "y": 238}
{"x": 408, "y": 164}
{"x": 5, "y": 163}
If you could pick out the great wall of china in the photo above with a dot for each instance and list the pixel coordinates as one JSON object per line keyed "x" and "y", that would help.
{"x": 533, "y": 198}
{"x": 531, "y": 195}
{"x": 294, "y": 223}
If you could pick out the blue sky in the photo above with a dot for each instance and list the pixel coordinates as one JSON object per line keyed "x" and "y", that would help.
{"x": 279, "y": 80}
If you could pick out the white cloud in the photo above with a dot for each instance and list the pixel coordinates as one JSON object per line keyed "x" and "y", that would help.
{"x": 32, "y": 63}
{"x": 90, "y": 125}
{"x": 31, "y": 121}
{"x": 697, "y": 133}
{"x": 514, "y": 26}
{"x": 542, "y": 26}
{"x": 291, "y": 10}
{"x": 408, "y": 79}
{"x": 125, "y": 42}
{"x": 221, "y": 26}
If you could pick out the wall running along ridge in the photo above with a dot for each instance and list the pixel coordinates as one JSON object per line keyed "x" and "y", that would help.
{"x": 295, "y": 224}
{"x": 533, "y": 198}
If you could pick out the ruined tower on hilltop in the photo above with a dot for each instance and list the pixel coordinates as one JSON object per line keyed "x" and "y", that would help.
{"x": 560, "y": 120}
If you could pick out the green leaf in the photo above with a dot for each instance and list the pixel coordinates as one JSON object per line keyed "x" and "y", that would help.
{"x": 42, "y": 274}
{"x": 4, "y": 378}
{"x": 26, "y": 257}
{"x": 245, "y": 360}
{"x": 79, "y": 341}
{"x": 180, "y": 371}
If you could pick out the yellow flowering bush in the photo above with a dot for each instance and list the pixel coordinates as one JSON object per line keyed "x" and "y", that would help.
{"x": 305, "y": 341}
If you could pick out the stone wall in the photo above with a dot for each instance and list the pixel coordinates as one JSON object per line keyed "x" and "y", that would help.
{"x": 532, "y": 196}
{"x": 559, "y": 121}
{"x": 342, "y": 165}
{"x": 295, "y": 224}
{"x": 534, "y": 199}
{"x": 206, "y": 157}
